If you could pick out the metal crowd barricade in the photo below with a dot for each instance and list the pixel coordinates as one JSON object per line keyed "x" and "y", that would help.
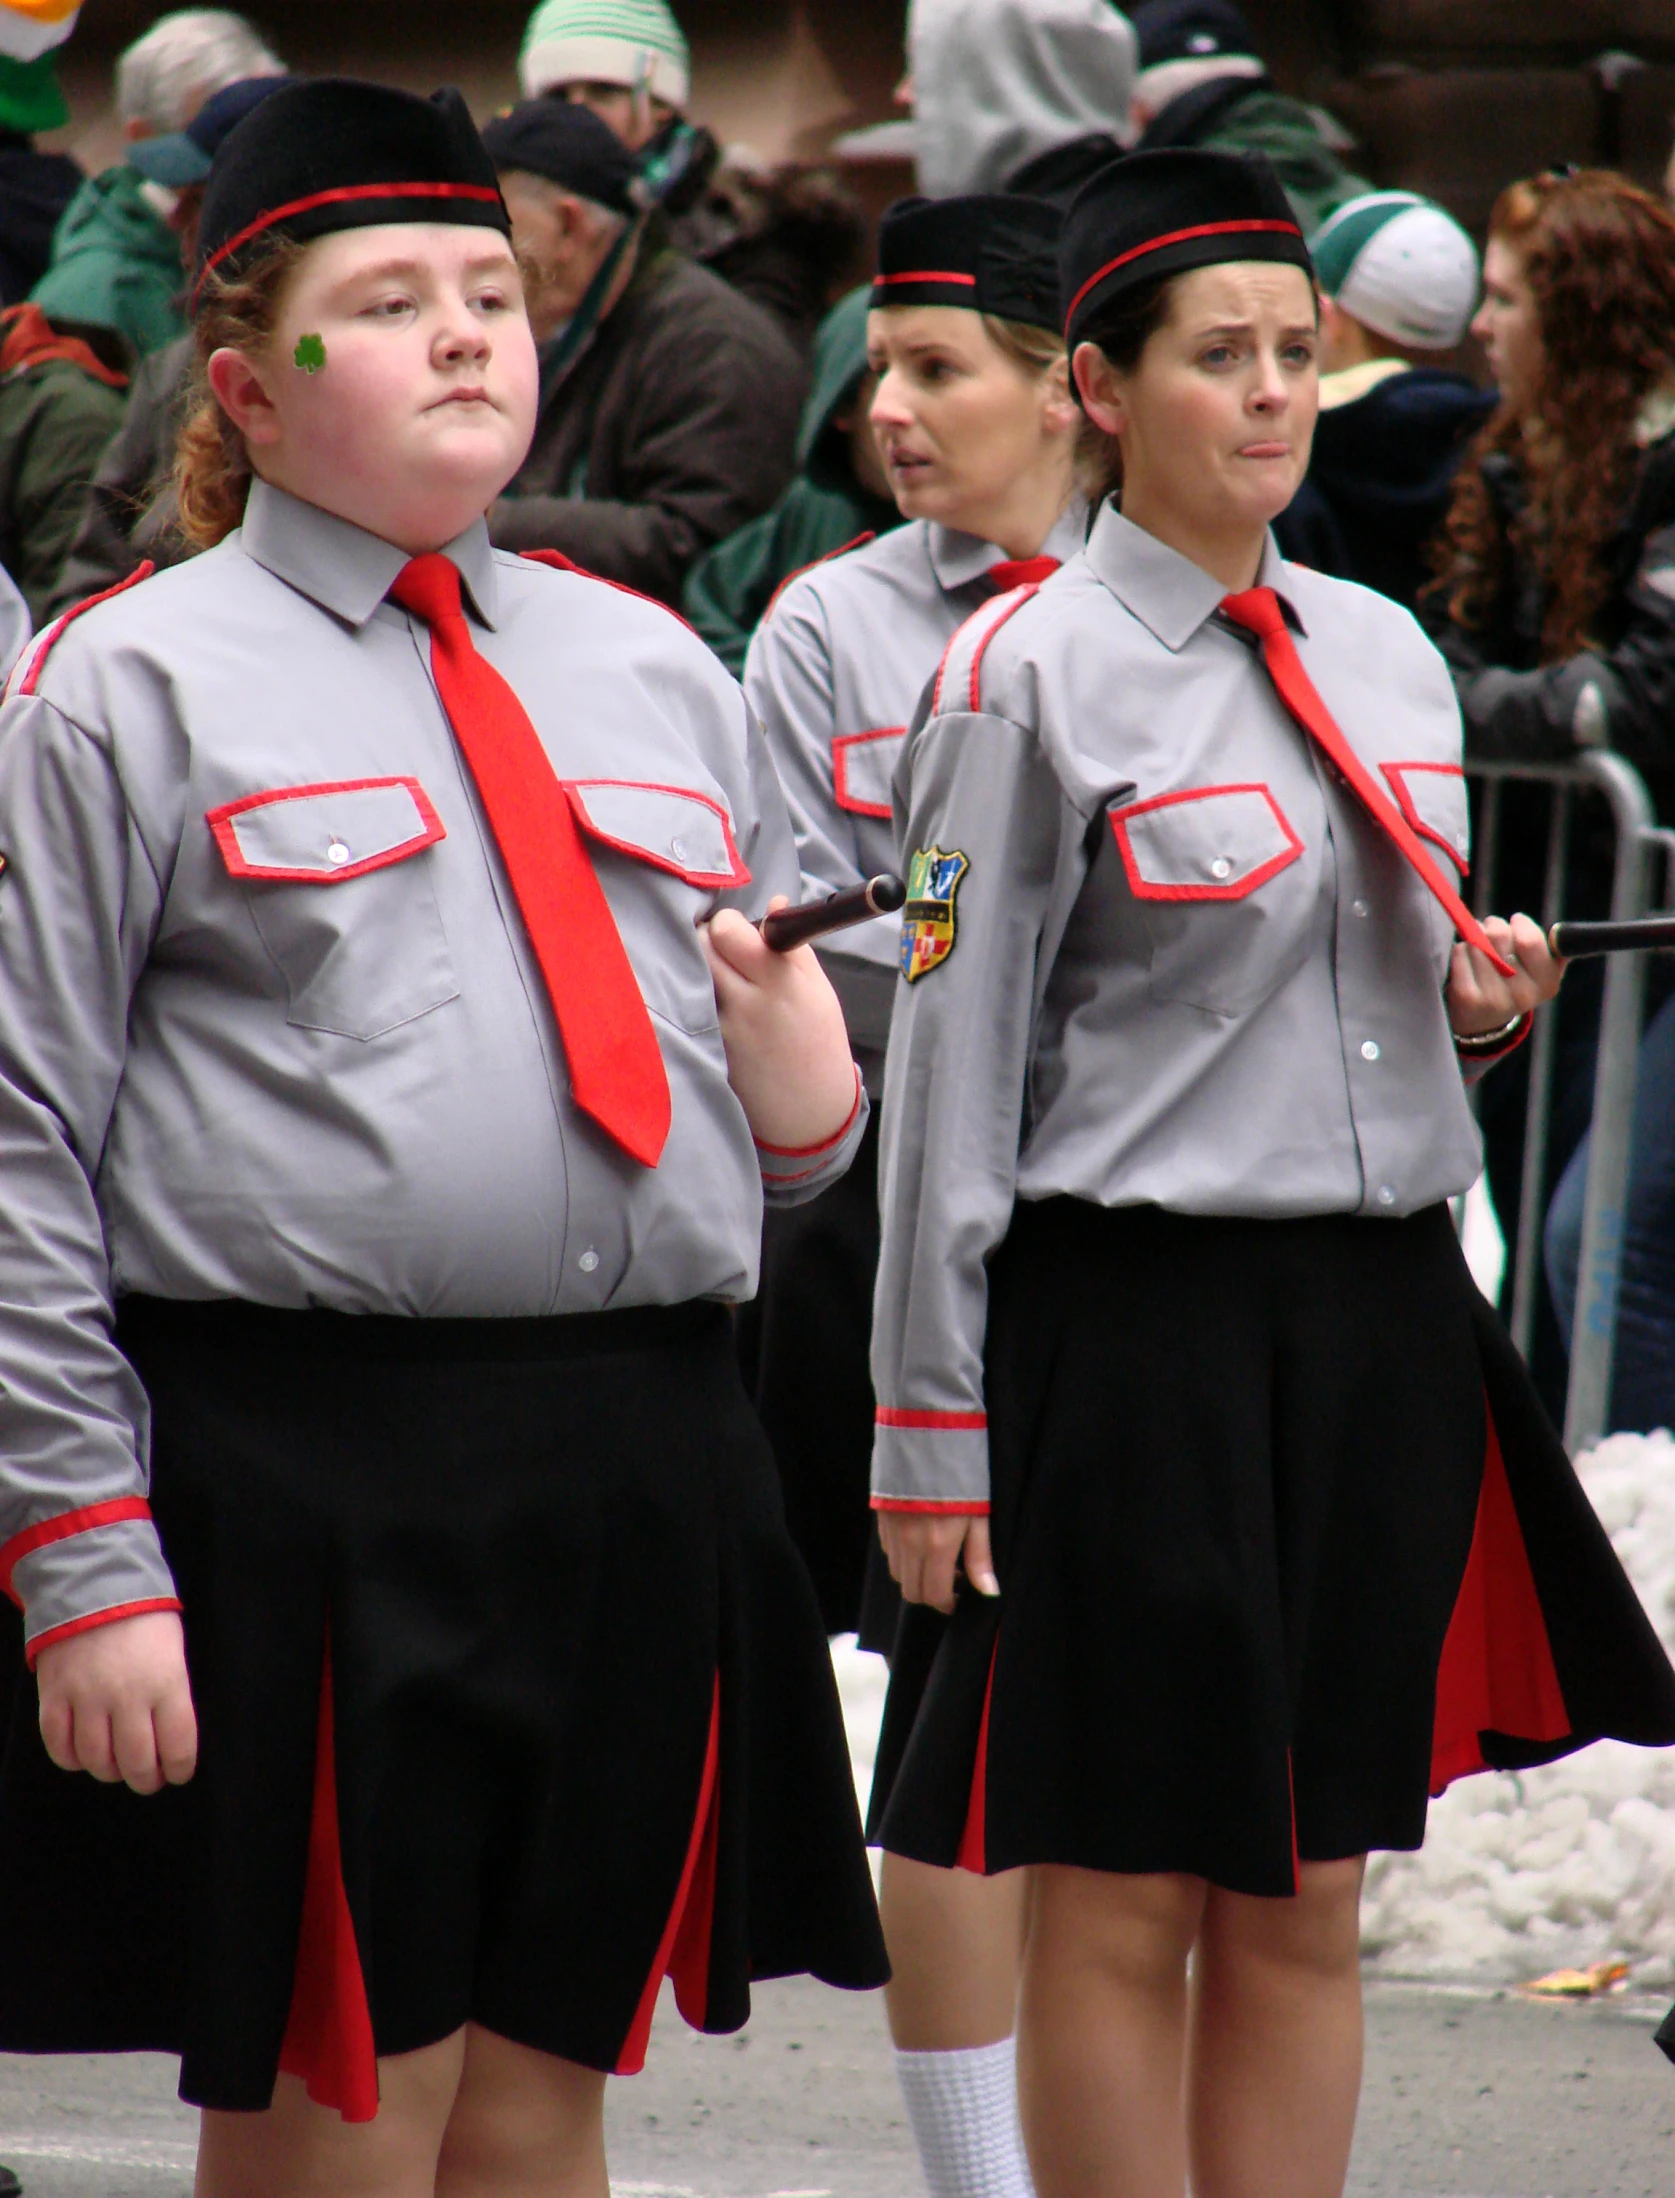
{"x": 1588, "y": 1398}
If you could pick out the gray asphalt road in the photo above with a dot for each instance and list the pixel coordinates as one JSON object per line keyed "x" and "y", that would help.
{"x": 1468, "y": 2095}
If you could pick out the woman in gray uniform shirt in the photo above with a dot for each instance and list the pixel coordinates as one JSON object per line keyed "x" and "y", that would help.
{"x": 978, "y": 433}
{"x": 390, "y": 1082}
{"x": 1176, "y": 1355}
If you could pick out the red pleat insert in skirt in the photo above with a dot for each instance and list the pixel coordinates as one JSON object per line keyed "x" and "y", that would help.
{"x": 683, "y": 1954}
{"x": 328, "y": 2038}
{"x": 973, "y": 1849}
{"x": 1497, "y": 1672}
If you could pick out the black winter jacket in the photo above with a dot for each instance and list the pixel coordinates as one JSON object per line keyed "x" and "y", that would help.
{"x": 1518, "y": 709}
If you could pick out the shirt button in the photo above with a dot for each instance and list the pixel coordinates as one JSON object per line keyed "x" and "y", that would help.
{"x": 1369, "y": 1049}
{"x": 337, "y": 852}
{"x": 588, "y": 1261}
{"x": 1359, "y": 908}
{"x": 677, "y": 848}
{"x": 1221, "y": 867}
{"x": 1387, "y": 1194}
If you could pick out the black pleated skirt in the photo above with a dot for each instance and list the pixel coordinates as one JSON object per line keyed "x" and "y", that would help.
{"x": 1285, "y": 1544}
{"x": 513, "y": 1695}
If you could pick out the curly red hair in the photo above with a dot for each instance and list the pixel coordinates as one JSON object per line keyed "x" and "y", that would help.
{"x": 1599, "y": 256}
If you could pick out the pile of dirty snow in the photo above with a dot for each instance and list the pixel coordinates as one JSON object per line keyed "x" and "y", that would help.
{"x": 1559, "y": 1867}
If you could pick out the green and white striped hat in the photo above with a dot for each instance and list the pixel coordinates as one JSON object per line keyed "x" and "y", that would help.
{"x": 1400, "y": 266}
{"x": 636, "y": 43}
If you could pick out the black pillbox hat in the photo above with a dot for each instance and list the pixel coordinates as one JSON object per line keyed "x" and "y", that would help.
{"x": 990, "y": 254}
{"x": 1151, "y": 215}
{"x": 338, "y": 154}
{"x": 570, "y": 146}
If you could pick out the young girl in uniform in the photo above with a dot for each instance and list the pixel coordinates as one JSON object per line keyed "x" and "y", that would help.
{"x": 1173, "y": 1333}
{"x": 978, "y": 434}
{"x": 390, "y": 1077}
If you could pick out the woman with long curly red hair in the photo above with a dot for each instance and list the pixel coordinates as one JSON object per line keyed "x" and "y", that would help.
{"x": 1555, "y": 607}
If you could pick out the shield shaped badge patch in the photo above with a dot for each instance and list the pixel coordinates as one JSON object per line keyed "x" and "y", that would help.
{"x": 927, "y": 924}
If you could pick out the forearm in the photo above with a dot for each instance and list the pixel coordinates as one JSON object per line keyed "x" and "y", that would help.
{"x": 76, "y": 1541}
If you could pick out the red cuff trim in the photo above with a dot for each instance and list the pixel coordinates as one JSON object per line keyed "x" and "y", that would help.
{"x": 73, "y": 1626}
{"x": 48, "y": 1531}
{"x": 928, "y": 1509}
{"x": 826, "y": 1144}
{"x": 889, "y": 1415}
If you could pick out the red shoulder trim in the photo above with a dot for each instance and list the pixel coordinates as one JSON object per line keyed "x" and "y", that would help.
{"x": 1015, "y": 601}
{"x": 560, "y": 563}
{"x": 40, "y": 650}
{"x": 842, "y": 550}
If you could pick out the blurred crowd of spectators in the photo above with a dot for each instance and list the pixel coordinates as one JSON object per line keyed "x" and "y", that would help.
{"x": 703, "y": 427}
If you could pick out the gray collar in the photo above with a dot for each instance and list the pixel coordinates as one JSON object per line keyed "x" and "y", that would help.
{"x": 1170, "y": 595}
{"x": 343, "y": 568}
{"x": 959, "y": 559}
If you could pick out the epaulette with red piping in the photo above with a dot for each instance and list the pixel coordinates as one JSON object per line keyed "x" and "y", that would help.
{"x": 860, "y": 542}
{"x": 959, "y": 677}
{"x": 26, "y": 672}
{"x": 560, "y": 563}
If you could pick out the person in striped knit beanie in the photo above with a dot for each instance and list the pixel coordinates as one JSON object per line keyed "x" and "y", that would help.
{"x": 789, "y": 238}
{"x": 626, "y": 59}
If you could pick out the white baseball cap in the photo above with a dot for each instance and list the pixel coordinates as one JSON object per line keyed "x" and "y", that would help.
{"x": 1401, "y": 266}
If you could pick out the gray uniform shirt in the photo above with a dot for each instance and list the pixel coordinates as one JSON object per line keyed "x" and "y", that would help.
{"x": 834, "y": 673}
{"x": 270, "y": 1026}
{"x": 1162, "y": 954}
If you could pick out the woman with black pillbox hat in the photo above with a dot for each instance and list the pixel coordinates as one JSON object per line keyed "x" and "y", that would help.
{"x": 978, "y": 435}
{"x": 1230, "y": 1524}
{"x": 391, "y": 1077}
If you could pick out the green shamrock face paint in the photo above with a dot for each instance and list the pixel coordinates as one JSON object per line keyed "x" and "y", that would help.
{"x": 310, "y": 353}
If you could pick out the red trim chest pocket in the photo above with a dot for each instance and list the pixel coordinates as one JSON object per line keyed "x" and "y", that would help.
{"x": 683, "y": 853}
{"x": 1432, "y": 797}
{"x": 863, "y": 767}
{"x": 1201, "y": 865}
{"x": 371, "y": 953}
{"x": 1206, "y": 843}
{"x": 320, "y": 835}
{"x": 671, "y": 827}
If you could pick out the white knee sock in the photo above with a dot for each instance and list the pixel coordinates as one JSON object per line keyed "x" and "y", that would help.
{"x": 964, "y": 2111}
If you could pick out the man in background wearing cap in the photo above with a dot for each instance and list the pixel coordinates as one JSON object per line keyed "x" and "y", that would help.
{"x": 126, "y": 512}
{"x": 1202, "y": 83}
{"x": 116, "y": 257}
{"x": 35, "y": 187}
{"x": 789, "y": 238}
{"x": 669, "y": 402}
{"x": 1399, "y": 285}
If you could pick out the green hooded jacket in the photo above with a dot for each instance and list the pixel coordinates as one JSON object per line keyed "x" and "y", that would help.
{"x": 824, "y": 509}
{"x": 115, "y": 264}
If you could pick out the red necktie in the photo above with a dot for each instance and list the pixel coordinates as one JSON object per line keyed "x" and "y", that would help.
{"x": 1020, "y": 572}
{"x": 1259, "y": 612}
{"x": 616, "y": 1070}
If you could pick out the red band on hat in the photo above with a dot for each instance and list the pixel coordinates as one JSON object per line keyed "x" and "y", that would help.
{"x": 879, "y": 282}
{"x": 1175, "y": 236}
{"x": 482, "y": 191}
